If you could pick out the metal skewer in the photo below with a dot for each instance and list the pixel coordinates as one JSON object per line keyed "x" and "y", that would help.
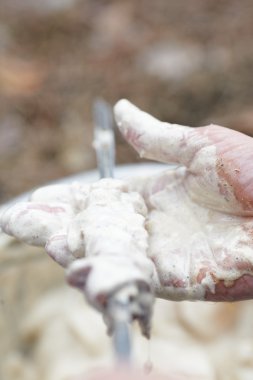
{"x": 121, "y": 329}
{"x": 104, "y": 144}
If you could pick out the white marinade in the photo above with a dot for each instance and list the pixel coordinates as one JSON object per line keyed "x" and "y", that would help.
{"x": 97, "y": 232}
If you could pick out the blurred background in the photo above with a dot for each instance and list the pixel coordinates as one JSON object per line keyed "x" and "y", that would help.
{"x": 187, "y": 62}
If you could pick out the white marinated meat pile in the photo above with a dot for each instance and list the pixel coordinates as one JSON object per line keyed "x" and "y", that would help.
{"x": 97, "y": 232}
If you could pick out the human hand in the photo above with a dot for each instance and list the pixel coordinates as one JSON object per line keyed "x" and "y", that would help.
{"x": 200, "y": 220}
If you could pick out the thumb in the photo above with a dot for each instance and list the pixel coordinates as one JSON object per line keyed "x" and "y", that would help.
{"x": 220, "y": 157}
{"x": 154, "y": 139}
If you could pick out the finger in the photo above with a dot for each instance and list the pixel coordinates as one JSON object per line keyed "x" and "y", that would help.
{"x": 239, "y": 290}
{"x": 154, "y": 139}
{"x": 34, "y": 223}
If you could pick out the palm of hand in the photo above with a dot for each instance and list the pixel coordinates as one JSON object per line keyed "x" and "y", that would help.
{"x": 200, "y": 214}
{"x": 198, "y": 252}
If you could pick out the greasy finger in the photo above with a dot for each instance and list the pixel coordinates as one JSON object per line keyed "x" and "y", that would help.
{"x": 152, "y": 138}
